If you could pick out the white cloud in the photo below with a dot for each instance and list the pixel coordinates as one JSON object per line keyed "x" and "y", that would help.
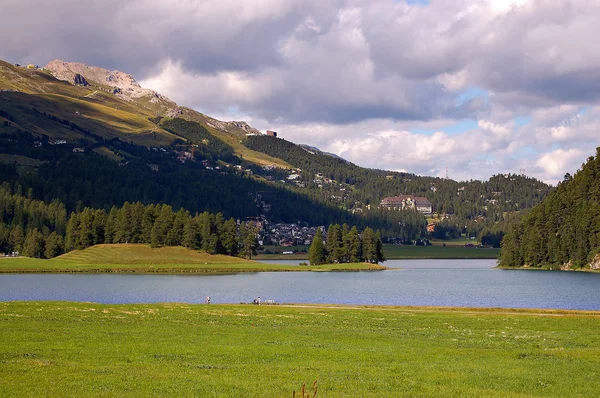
{"x": 556, "y": 162}
{"x": 355, "y": 75}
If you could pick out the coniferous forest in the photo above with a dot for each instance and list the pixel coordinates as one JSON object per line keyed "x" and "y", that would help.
{"x": 345, "y": 245}
{"x": 40, "y": 230}
{"x": 564, "y": 230}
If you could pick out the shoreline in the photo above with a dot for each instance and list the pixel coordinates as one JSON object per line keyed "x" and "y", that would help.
{"x": 161, "y": 269}
{"x": 593, "y": 271}
{"x": 330, "y": 306}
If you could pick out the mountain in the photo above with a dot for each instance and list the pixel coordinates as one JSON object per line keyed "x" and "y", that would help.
{"x": 564, "y": 230}
{"x": 147, "y": 148}
{"x": 111, "y": 105}
{"x": 313, "y": 150}
{"x": 123, "y": 85}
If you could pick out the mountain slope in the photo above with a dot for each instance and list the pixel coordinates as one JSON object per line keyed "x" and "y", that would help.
{"x": 564, "y": 230}
{"x": 106, "y": 85}
{"x": 142, "y": 131}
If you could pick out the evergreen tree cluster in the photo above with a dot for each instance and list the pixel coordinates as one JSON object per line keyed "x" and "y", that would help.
{"x": 346, "y": 245}
{"x": 24, "y": 220}
{"x": 209, "y": 146}
{"x": 564, "y": 229}
{"x": 37, "y": 229}
{"x": 160, "y": 225}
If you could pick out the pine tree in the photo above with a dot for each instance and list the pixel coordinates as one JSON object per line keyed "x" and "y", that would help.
{"x": 218, "y": 230}
{"x": 72, "y": 241}
{"x": 161, "y": 226}
{"x": 34, "y": 244}
{"x": 147, "y": 223}
{"x": 379, "y": 255}
{"x": 229, "y": 238}
{"x": 210, "y": 240}
{"x": 354, "y": 246}
{"x": 86, "y": 230}
{"x": 248, "y": 235}
{"x": 316, "y": 253}
{"x": 54, "y": 245}
{"x": 98, "y": 226}
{"x": 110, "y": 227}
{"x": 369, "y": 245}
{"x": 123, "y": 225}
{"x": 334, "y": 244}
{"x": 175, "y": 232}
{"x": 191, "y": 234}
{"x": 16, "y": 239}
{"x": 345, "y": 247}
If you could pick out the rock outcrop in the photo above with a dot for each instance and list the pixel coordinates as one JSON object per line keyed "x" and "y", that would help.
{"x": 80, "y": 80}
{"x": 123, "y": 84}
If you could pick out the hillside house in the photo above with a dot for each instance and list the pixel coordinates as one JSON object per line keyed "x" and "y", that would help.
{"x": 407, "y": 202}
{"x": 271, "y": 133}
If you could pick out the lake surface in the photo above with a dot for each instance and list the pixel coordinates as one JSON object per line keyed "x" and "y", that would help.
{"x": 468, "y": 283}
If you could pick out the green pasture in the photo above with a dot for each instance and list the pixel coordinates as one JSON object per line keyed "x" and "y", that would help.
{"x": 83, "y": 349}
{"x": 140, "y": 258}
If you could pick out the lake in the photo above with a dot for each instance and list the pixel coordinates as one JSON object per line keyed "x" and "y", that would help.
{"x": 465, "y": 283}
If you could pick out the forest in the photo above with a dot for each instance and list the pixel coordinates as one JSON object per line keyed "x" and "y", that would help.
{"x": 79, "y": 180}
{"x": 345, "y": 245}
{"x": 564, "y": 230}
{"x": 40, "y": 230}
{"x": 88, "y": 179}
{"x": 472, "y": 206}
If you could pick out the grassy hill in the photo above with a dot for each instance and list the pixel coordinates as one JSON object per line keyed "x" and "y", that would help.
{"x": 144, "y": 254}
{"x": 139, "y": 258}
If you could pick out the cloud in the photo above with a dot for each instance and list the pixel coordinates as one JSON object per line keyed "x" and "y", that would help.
{"x": 387, "y": 77}
{"x": 554, "y": 163}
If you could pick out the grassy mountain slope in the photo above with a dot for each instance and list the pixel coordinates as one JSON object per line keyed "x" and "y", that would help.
{"x": 233, "y": 136}
{"x": 97, "y": 109}
{"x": 104, "y": 120}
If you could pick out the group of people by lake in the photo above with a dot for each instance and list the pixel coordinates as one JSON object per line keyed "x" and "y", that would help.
{"x": 256, "y": 301}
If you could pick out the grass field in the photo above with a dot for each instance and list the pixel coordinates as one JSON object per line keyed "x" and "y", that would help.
{"x": 85, "y": 349}
{"x": 140, "y": 258}
{"x": 397, "y": 252}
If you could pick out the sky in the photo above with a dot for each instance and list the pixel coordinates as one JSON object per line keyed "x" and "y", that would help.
{"x": 477, "y": 87}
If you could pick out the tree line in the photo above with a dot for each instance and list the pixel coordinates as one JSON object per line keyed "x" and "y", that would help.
{"x": 562, "y": 231}
{"x": 345, "y": 245}
{"x": 81, "y": 180}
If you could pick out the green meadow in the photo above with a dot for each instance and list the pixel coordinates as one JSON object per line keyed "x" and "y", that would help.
{"x": 86, "y": 349}
{"x": 140, "y": 258}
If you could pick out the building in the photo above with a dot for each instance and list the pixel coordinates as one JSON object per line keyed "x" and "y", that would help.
{"x": 423, "y": 205}
{"x": 407, "y": 202}
{"x": 271, "y": 133}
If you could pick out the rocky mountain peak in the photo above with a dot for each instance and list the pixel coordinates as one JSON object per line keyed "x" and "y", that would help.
{"x": 125, "y": 86}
